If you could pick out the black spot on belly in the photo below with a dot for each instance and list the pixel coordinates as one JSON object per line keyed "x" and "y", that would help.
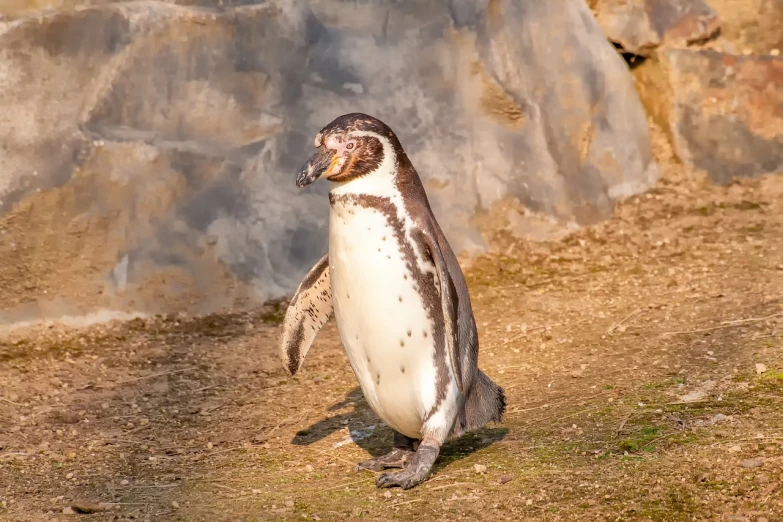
{"x": 425, "y": 334}
{"x": 400, "y": 298}
{"x": 405, "y": 276}
{"x": 409, "y": 333}
{"x": 402, "y": 343}
{"x": 402, "y": 369}
{"x": 377, "y": 379}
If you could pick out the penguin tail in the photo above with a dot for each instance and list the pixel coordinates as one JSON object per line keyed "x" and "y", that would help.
{"x": 485, "y": 403}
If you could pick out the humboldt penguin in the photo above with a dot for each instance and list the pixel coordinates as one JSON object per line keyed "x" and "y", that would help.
{"x": 398, "y": 296}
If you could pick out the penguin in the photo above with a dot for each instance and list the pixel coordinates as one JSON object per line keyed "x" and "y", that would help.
{"x": 399, "y": 299}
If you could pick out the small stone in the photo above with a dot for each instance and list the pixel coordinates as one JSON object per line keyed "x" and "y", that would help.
{"x": 68, "y": 417}
{"x": 86, "y": 507}
{"x": 760, "y": 368}
{"x": 504, "y": 479}
{"x": 68, "y": 510}
{"x": 309, "y": 468}
{"x": 69, "y": 476}
{"x": 735, "y": 449}
{"x": 480, "y": 468}
{"x": 209, "y": 445}
{"x": 289, "y": 503}
{"x": 752, "y": 463}
{"x": 762, "y": 519}
{"x": 175, "y": 504}
{"x": 773, "y": 52}
{"x": 529, "y": 502}
{"x": 387, "y": 494}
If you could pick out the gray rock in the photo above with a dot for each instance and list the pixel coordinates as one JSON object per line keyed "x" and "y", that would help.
{"x": 149, "y": 148}
{"x": 640, "y": 26}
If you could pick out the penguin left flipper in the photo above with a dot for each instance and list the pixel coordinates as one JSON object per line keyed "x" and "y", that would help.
{"x": 458, "y": 318}
{"x": 308, "y": 311}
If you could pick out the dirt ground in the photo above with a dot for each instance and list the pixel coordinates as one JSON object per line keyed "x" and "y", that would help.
{"x": 641, "y": 359}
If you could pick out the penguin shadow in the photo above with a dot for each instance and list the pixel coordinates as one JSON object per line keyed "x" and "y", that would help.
{"x": 369, "y": 433}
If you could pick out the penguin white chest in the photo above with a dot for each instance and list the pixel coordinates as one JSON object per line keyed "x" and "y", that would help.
{"x": 381, "y": 316}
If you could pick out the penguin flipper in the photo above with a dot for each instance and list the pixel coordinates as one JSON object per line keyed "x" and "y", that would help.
{"x": 449, "y": 300}
{"x": 308, "y": 311}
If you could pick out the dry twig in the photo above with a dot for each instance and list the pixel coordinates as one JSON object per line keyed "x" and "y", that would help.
{"x": 727, "y": 324}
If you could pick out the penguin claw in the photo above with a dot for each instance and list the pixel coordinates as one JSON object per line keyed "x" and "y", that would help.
{"x": 405, "y": 479}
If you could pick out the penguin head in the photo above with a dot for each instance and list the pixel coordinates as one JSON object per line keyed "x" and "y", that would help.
{"x": 351, "y": 146}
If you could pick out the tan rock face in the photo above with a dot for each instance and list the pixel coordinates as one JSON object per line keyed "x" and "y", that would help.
{"x": 148, "y": 149}
{"x": 641, "y": 26}
{"x": 724, "y": 112}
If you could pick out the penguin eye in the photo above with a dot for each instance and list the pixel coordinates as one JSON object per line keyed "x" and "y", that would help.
{"x": 349, "y": 146}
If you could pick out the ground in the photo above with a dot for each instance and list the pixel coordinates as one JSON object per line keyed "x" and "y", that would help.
{"x": 641, "y": 359}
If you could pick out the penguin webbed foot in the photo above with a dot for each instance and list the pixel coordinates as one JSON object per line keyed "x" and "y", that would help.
{"x": 399, "y": 457}
{"x": 396, "y": 458}
{"x": 417, "y": 471}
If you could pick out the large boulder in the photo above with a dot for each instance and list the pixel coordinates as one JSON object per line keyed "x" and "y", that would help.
{"x": 641, "y": 26}
{"x": 148, "y": 149}
{"x": 724, "y": 113}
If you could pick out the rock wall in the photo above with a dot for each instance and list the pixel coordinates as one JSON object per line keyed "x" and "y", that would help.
{"x": 149, "y": 148}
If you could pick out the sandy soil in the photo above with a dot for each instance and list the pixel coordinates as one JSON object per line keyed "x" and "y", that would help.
{"x": 641, "y": 358}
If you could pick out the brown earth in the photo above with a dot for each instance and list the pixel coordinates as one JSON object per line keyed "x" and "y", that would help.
{"x": 641, "y": 358}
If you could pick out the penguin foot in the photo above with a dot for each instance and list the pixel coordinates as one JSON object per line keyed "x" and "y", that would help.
{"x": 396, "y": 458}
{"x": 417, "y": 471}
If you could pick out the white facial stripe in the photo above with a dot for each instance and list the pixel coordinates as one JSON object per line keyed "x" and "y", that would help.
{"x": 333, "y": 143}
{"x": 318, "y": 140}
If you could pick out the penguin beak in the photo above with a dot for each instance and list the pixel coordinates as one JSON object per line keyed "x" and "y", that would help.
{"x": 316, "y": 166}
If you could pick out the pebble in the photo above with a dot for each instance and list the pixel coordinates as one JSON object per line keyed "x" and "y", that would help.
{"x": 175, "y": 504}
{"x": 87, "y": 507}
{"x": 69, "y": 476}
{"x": 69, "y": 417}
{"x": 735, "y": 449}
{"x": 480, "y": 468}
{"x": 68, "y": 510}
{"x": 504, "y": 479}
{"x": 752, "y": 463}
{"x": 290, "y": 503}
{"x": 760, "y": 368}
{"x": 309, "y": 468}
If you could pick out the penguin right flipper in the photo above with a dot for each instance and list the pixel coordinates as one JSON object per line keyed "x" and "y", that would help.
{"x": 308, "y": 312}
